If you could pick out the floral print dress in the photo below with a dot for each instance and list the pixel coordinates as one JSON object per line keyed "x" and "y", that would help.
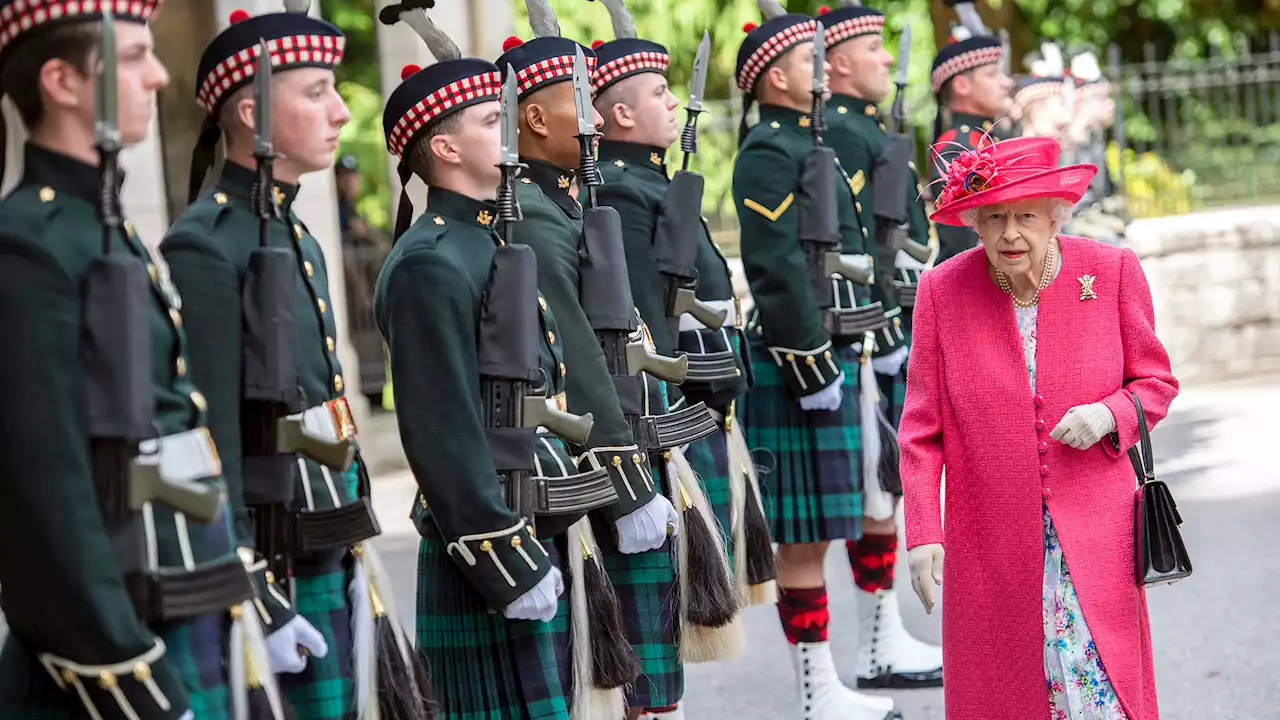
{"x": 1079, "y": 688}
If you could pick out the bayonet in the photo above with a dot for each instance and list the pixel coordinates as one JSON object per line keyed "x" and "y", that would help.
{"x": 263, "y": 149}
{"x": 588, "y": 175}
{"x": 969, "y": 17}
{"x": 509, "y": 157}
{"x": 898, "y": 113}
{"x": 819, "y": 81}
{"x": 697, "y": 86}
{"x": 107, "y": 135}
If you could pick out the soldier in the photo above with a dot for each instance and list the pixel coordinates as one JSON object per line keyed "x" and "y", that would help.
{"x": 860, "y": 82}
{"x": 250, "y": 268}
{"x": 120, "y": 575}
{"x": 972, "y": 90}
{"x": 471, "y": 340}
{"x": 584, "y": 296}
{"x": 667, "y": 248}
{"x": 806, "y": 264}
{"x": 1037, "y": 105}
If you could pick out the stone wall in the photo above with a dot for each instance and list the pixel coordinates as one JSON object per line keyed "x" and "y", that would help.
{"x": 1215, "y": 283}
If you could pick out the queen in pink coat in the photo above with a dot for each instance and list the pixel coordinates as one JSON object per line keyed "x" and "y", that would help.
{"x": 1026, "y": 353}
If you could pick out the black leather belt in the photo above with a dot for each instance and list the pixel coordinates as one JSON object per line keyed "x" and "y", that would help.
{"x": 170, "y": 594}
{"x": 567, "y": 495}
{"x": 854, "y": 322}
{"x": 906, "y": 293}
{"x": 294, "y": 533}
{"x": 676, "y": 428}
{"x": 712, "y": 366}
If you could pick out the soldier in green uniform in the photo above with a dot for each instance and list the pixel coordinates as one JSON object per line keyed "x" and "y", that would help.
{"x": 860, "y": 82}
{"x": 640, "y": 562}
{"x": 301, "y": 509}
{"x": 471, "y": 339}
{"x": 639, "y": 126}
{"x": 808, "y": 334}
{"x": 973, "y": 92}
{"x": 121, "y": 579}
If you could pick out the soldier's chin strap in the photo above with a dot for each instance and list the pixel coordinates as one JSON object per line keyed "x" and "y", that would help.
{"x": 202, "y": 156}
{"x": 404, "y": 212}
{"x": 747, "y": 100}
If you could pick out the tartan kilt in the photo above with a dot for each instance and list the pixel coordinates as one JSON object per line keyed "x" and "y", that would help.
{"x": 809, "y": 463}
{"x": 196, "y": 649}
{"x": 484, "y": 666}
{"x": 325, "y": 690}
{"x": 893, "y": 394}
{"x": 710, "y": 459}
{"x": 650, "y": 600}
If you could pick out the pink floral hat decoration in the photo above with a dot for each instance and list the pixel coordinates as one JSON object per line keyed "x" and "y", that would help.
{"x": 1006, "y": 171}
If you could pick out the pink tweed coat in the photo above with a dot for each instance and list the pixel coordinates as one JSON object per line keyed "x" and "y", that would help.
{"x": 970, "y": 408}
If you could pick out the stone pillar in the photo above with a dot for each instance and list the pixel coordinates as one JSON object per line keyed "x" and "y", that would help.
{"x": 317, "y": 206}
{"x": 478, "y": 27}
{"x": 182, "y": 29}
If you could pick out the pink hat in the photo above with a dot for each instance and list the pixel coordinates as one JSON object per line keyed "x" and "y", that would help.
{"x": 1006, "y": 171}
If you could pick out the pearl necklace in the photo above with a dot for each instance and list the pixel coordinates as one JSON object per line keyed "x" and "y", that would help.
{"x": 1046, "y": 275}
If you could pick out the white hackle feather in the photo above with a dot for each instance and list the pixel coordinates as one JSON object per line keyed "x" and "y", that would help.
{"x": 1054, "y": 66}
{"x": 364, "y": 644}
{"x": 876, "y": 503}
{"x": 589, "y": 701}
{"x": 542, "y": 19}
{"x": 771, "y": 8}
{"x": 697, "y": 643}
{"x": 623, "y": 26}
{"x": 1085, "y": 67}
{"x": 297, "y": 6}
{"x": 438, "y": 42}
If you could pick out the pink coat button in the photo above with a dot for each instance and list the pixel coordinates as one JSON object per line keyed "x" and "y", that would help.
{"x": 1039, "y": 401}
{"x": 1044, "y": 471}
{"x": 1039, "y": 424}
{"x": 1044, "y": 447}
{"x": 1047, "y": 493}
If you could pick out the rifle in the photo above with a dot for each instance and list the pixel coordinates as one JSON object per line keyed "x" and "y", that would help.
{"x": 509, "y": 352}
{"x": 680, "y": 221}
{"x": 819, "y": 221}
{"x": 892, "y": 188}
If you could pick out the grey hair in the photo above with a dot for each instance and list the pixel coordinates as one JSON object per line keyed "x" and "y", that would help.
{"x": 1060, "y": 213}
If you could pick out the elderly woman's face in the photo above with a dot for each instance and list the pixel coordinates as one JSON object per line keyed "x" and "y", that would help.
{"x": 1016, "y": 235}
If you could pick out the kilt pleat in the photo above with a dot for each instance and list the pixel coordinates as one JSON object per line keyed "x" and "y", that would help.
{"x": 809, "y": 462}
{"x": 893, "y": 394}
{"x": 484, "y": 666}
{"x": 650, "y": 600}
{"x": 196, "y": 648}
{"x": 325, "y": 690}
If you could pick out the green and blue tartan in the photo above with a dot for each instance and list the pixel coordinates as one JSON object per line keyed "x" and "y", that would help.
{"x": 484, "y": 666}
{"x": 650, "y": 600}
{"x": 809, "y": 463}
{"x": 893, "y": 394}
{"x": 326, "y": 689}
{"x": 195, "y": 648}
{"x": 709, "y": 457}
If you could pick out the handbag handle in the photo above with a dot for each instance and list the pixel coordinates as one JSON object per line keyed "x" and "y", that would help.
{"x": 1144, "y": 464}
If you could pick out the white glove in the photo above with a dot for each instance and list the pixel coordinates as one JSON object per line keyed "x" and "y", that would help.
{"x": 926, "y": 566}
{"x": 1084, "y": 425}
{"x": 828, "y": 398}
{"x": 890, "y": 364}
{"x": 647, "y": 528}
{"x": 541, "y": 602}
{"x": 188, "y": 715}
{"x": 283, "y": 646}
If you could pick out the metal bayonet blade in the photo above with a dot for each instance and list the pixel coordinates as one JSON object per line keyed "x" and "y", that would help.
{"x": 582, "y": 94}
{"x": 510, "y": 154}
{"x": 106, "y": 131}
{"x": 904, "y": 56}
{"x": 262, "y": 102}
{"x": 698, "y": 83}
{"x": 819, "y": 60}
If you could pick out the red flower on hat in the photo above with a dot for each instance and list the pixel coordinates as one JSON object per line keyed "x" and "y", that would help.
{"x": 238, "y": 15}
{"x": 971, "y": 172}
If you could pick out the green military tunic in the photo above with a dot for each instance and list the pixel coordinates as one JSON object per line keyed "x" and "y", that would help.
{"x": 63, "y": 592}
{"x": 645, "y": 582}
{"x": 963, "y": 132}
{"x": 814, "y": 468}
{"x": 477, "y": 555}
{"x": 208, "y": 252}
{"x": 858, "y": 137}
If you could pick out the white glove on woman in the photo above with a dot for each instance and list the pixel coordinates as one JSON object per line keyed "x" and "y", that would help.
{"x": 926, "y": 566}
{"x": 539, "y": 603}
{"x": 1084, "y": 425}
{"x": 283, "y": 644}
{"x": 828, "y": 398}
{"x": 646, "y": 529}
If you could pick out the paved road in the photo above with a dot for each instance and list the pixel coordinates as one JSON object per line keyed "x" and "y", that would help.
{"x": 1216, "y": 635}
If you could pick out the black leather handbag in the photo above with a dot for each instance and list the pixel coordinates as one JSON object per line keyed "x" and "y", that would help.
{"x": 1161, "y": 555}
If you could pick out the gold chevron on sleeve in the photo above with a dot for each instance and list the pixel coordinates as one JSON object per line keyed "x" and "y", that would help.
{"x": 857, "y": 182}
{"x": 774, "y": 214}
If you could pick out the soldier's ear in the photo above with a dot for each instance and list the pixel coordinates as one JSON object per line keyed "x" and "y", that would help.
{"x": 243, "y": 108}
{"x": 621, "y": 116}
{"x": 535, "y": 118}
{"x": 62, "y": 85}
{"x": 961, "y": 85}
{"x": 776, "y": 77}
{"x": 443, "y": 149}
